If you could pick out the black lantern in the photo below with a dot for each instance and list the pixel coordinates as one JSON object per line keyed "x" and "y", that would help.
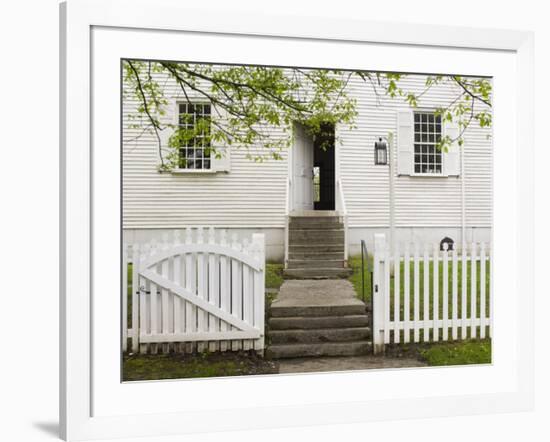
{"x": 381, "y": 152}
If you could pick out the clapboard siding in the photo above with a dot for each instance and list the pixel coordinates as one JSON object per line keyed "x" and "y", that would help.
{"x": 253, "y": 194}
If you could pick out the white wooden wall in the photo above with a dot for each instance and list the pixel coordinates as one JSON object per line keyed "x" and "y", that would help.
{"x": 203, "y": 292}
{"x": 253, "y": 194}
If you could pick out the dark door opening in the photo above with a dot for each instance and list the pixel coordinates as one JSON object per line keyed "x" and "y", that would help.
{"x": 323, "y": 169}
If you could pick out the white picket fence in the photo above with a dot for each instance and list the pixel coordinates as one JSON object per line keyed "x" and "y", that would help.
{"x": 424, "y": 294}
{"x": 200, "y": 294}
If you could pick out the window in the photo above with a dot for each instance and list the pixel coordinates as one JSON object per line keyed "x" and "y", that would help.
{"x": 427, "y": 133}
{"x": 194, "y": 152}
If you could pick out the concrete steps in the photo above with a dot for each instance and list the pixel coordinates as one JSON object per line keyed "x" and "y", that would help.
{"x": 319, "y": 335}
{"x": 323, "y": 349}
{"x": 317, "y": 273}
{"x": 317, "y": 322}
{"x": 315, "y": 262}
{"x": 317, "y": 318}
{"x": 316, "y": 247}
{"x": 332, "y": 310}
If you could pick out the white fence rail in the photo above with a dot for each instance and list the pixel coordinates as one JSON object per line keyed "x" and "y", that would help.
{"x": 424, "y": 294}
{"x": 204, "y": 293}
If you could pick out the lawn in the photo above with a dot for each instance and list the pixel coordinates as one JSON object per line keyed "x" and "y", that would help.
{"x": 139, "y": 367}
{"x": 440, "y": 353}
{"x": 273, "y": 275}
{"x": 444, "y": 353}
{"x": 355, "y": 279}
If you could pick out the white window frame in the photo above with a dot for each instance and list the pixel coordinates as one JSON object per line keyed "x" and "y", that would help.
{"x": 441, "y": 174}
{"x": 185, "y": 170}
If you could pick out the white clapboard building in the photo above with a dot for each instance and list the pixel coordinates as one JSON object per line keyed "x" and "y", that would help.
{"x": 317, "y": 202}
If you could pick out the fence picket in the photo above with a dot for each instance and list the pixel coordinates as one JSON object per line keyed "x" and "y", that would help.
{"x": 165, "y": 298}
{"x": 124, "y": 297}
{"x": 473, "y": 292}
{"x": 135, "y": 294}
{"x": 426, "y": 316}
{"x": 397, "y": 295}
{"x": 455, "y": 294}
{"x": 144, "y": 299}
{"x": 482, "y": 301}
{"x": 213, "y": 290}
{"x": 387, "y": 295}
{"x": 202, "y": 287}
{"x": 435, "y": 290}
{"x": 445, "y": 289}
{"x": 190, "y": 284}
{"x": 155, "y": 311}
{"x": 247, "y": 295}
{"x": 177, "y": 278}
{"x": 225, "y": 288}
{"x": 407, "y": 293}
{"x": 236, "y": 289}
{"x": 464, "y": 295}
{"x": 416, "y": 280}
{"x": 258, "y": 241}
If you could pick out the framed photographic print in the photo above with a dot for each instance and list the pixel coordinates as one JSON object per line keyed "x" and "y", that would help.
{"x": 327, "y": 221}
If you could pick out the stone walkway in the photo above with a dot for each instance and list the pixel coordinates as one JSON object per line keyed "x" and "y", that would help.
{"x": 311, "y": 293}
{"x": 322, "y": 364}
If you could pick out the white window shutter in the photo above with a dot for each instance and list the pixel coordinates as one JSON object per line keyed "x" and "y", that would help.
{"x": 405, "y": 142}
{"x": 223, "y": 163}
{"x": 451, "y": 158}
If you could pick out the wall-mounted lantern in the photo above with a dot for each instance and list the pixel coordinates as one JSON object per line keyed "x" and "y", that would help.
{"x": 381, "y": 152}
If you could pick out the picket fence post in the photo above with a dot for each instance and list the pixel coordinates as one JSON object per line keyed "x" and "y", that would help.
{"x": 379, "y": 295}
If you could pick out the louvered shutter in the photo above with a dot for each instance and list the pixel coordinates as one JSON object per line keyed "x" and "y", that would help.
{"x": 451, "y": 158}
{"x": 405, "y": 142}
{"x": 222, "y": 164}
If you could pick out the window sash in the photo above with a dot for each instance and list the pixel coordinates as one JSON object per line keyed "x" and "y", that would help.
{"x": 194, "y": 154}
{"x": 427, "y": 133}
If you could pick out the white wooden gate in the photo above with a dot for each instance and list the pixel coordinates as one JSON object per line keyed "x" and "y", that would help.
{"x": 202, "y": 294}
{"x": 422, "y": 293}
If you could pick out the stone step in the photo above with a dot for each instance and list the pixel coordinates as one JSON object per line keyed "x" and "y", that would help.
{"x": 344, "y": 309}
{"x": 315, "y": 219}
{"x": 315, "y": 263}
{"x": 313, "y": 234}
{"x": 313, "y": 322}
{"x": 316, "y": 248}
{"x": 319, "y": 335}
{"x": 316, "y": 256}
{"x": 317, "y": 273}
{"x": 354, "y": 348}
{"x": 324, "y": 225}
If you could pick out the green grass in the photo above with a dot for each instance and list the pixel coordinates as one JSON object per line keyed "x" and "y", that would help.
{"x": 178, "y": 366}
{"x": 355, "y": 278}
{"x": 273, "y": 275}
{"x": 458, "y": 353}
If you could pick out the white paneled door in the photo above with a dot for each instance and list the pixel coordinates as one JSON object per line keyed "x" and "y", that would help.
{"x": 302, "y": 169}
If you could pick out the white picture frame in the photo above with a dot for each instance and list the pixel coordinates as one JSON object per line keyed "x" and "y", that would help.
{"x": 83, "y": 384}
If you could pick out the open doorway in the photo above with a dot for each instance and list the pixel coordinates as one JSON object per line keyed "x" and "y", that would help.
{"x": 323, "y": 169}
{"x": 313, "y": 171}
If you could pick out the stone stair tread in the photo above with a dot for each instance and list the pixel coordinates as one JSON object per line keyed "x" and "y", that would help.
{"x": 295, "y": 350}
{"x": 317, "y": 272}
{"x": 327, "y": 310}
{"x": 317, "y": 322}
{"x": 319, "y": 335}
